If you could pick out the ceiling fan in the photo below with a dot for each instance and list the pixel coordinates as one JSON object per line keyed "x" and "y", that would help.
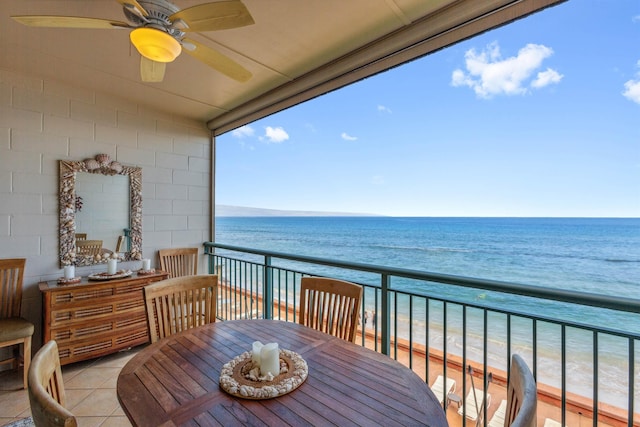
{"x": 159, "y": 31}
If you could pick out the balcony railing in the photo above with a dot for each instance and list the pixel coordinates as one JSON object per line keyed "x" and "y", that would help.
{"x": 580, "y": 346}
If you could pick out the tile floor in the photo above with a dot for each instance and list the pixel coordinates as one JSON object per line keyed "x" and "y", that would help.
{"x": 90, "y": 388}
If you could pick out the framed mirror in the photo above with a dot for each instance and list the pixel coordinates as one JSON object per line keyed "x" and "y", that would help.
{"x": 108, "y": 211}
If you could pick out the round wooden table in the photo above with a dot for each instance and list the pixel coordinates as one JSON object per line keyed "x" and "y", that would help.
{"x": 175, "y": 382}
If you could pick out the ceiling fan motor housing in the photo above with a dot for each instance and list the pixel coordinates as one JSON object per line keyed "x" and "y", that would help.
{"x": 158, "y": 13}
{"x": 155, "y": 37}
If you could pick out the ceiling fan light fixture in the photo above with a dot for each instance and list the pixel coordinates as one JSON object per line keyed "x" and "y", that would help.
{"x": 155, "y": 44}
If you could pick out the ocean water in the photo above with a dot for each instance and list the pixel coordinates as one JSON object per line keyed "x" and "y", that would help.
{"x": 596, "y": 255}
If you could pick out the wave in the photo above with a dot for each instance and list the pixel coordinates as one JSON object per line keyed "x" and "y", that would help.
{"x": 513, "y": 253}
{"x": 615, "y": 260}
{"x": 423, "y": 249}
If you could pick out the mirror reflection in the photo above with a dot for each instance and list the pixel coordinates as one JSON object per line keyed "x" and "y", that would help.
{"x": 100, "y": 211}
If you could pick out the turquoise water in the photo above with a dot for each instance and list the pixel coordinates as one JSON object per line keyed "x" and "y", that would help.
{"x": 596, "y": 255}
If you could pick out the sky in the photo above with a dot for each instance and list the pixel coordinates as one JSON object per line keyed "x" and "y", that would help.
{"x": 539, "y": 118}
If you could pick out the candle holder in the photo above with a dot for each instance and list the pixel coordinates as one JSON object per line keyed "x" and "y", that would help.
{"x": 241, "y": 376}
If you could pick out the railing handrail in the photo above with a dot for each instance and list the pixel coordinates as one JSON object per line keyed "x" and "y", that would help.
{"x": 563, "y": 295}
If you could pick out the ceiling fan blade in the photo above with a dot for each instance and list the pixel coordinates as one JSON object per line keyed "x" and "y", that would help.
{"x": 218, "y": 61}
{"x": 220, "y": 15}
{"x": 151, "y": 71}
{"x": 133, "y": 5}
{"x": 68, "y": 22}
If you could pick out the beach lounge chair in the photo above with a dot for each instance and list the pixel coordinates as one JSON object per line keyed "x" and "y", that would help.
{"x": 497, "y": 420}
{"x": 548, "y": 422}
{"x": 438, "y": 388}
{"x": 470, "y": 408}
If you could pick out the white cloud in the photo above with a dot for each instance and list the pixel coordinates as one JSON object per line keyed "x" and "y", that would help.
{"x": 545, "y": 78}
{"x": 632, "y": 91}
{"x": 383, "y": 109}
{"x": 348, "y": 137}
{"x": 488, "y": 74}
{"x": 243, "y": 131}
{"x": 632, "y": 88}
{"x": 275, "y": 135}
{"x": 635, "y": 18}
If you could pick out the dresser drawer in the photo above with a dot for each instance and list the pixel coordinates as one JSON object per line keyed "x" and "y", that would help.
{"x": 67, "y": 331}
{"x": 105, "y": 309}
{"x": 82, "y": 347}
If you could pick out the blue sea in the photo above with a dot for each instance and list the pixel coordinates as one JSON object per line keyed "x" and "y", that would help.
{"x": 599, "y": 255}
{"x": 595, "y": 255}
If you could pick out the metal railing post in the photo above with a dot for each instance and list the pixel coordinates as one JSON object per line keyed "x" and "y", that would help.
{"x": 385, "y": 339}
{"x": 267, "y": 289}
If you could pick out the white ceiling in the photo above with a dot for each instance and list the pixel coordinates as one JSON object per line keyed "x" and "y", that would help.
{"x": 296, "y": 50}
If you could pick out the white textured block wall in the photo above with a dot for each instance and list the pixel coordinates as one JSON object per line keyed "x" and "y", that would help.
{"x": 44, "y": 121}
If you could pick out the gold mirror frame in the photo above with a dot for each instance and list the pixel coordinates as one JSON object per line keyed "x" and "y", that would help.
{"x": 101, "y": 164}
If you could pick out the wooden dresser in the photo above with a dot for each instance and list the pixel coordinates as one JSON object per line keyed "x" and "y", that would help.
{"x": 93, "y": 318}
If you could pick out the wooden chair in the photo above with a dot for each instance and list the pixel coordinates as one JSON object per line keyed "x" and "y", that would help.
{"x": 179, "y": 261}
{"x": 120, "y": 244}
{"x": 46, "y": 389}
{"x": 89, "y": 247}
{"x": 180, "y": 303}
{"x": 522, "y": 395}
{"x": 14, "y": 330}
{"x": 81, "y": 236}
{"x": 331, "y": 306}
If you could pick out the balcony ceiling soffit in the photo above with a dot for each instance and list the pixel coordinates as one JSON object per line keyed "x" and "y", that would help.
{"x": 293, "y": 47}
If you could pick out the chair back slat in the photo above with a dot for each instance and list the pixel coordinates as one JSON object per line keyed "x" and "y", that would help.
{"x": 179, "y": 261}
{"x": 181, "y": 303}
{"x": 46, "y": 389}
{"x": 11, "y": 277}
{"x": 331, "y": 306}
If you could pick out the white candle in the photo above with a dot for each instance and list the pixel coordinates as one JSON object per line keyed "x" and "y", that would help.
{"x": 69, "y": 272}
{"x": 112, "y": 266}
{"x": 146, "y": 264}
{"x": 256, "y": 348}
{"x": 270, "y": 359}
